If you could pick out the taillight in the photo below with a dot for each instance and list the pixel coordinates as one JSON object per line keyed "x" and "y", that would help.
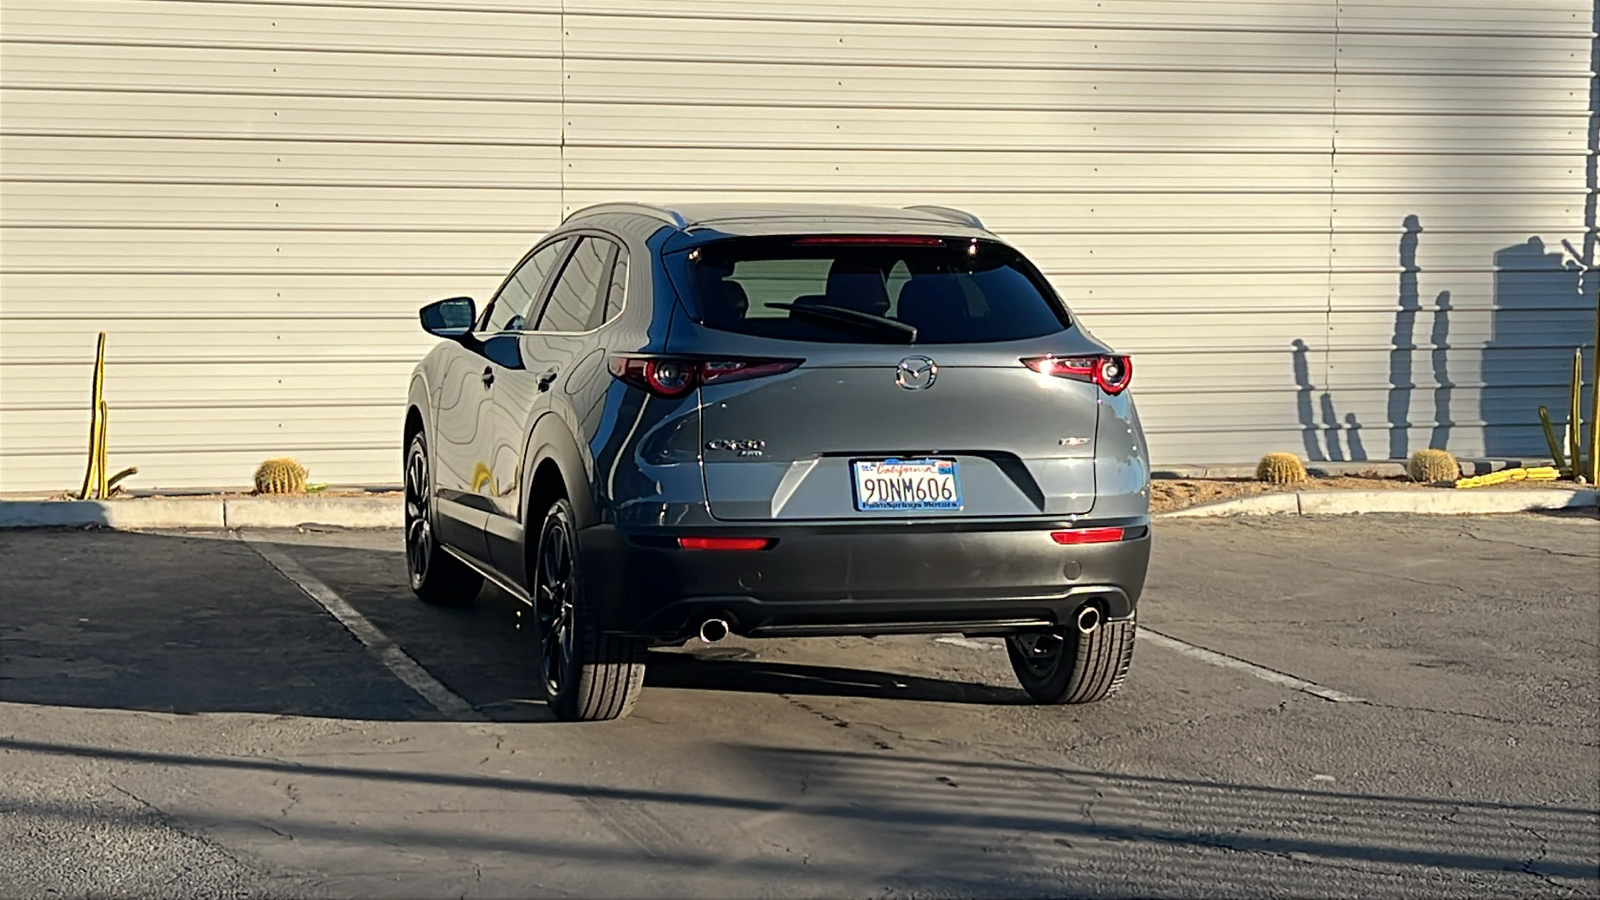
{"x": 717, "y": 371}
{"x": 725, "y": 543}
{"x": 1087, "y": 536}
{"x": 1114, "y": 373}
{"x": 668, "y": 377}
{"x": 1111, "y": 373}
{"x": 675, "y": 376}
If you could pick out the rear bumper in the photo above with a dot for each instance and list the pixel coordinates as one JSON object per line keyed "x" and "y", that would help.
{"x": 875, "y": 579}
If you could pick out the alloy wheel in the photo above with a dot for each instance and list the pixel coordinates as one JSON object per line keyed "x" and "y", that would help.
{"x": 553, "y": 603}
{"x": 419, "y": 530}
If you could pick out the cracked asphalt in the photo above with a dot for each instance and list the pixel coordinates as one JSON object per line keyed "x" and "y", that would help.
{"x": 179, "y": 719}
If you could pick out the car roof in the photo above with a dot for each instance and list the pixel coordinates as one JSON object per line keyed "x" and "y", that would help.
{"x": 756, "y": 219}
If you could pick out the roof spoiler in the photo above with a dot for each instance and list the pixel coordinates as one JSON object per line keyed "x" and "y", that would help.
{"x": 670, "y": 216}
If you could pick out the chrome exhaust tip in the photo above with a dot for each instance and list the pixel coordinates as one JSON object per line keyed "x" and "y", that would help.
{"x": 713, "y": 630}
{"x": 1088, "y": 619}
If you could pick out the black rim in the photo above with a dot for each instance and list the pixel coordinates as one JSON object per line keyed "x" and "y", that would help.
{"x": 1040, "y": 651}
{"x": 553, "y": 602}
{"x": 419, "y": 533}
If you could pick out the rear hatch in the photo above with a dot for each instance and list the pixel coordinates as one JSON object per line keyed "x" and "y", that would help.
{"x": 885, "y": 378}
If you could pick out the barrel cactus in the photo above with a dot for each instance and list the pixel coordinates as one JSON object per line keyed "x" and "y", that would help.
{"x": 282, "y": 475}
{"x": 1280, "y": 468}
{"x": 1433, "y": 466}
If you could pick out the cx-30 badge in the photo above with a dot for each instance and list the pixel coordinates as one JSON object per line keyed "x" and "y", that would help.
{"x": 916, "y": 373}
{"x": 744, "y": 448}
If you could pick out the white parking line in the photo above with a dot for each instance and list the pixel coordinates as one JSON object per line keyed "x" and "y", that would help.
{"x": 1146, "y": 636}
{"x": 388, "y": 652}
{"x": 970, "y": 644}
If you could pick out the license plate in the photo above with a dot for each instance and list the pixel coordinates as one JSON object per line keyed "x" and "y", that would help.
{"x": 906, "y": 484}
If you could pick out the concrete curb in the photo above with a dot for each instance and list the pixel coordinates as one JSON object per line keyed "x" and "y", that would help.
{"x": 1428, "y": 503}
{"x": 1325, "y": 469}
{"x": 175, "y": 512}
{"x": 1257, "y": 505}
{"x": 204, "y": 512}
{"x": 385, "y": 512}
{"x": 287, "y": 512}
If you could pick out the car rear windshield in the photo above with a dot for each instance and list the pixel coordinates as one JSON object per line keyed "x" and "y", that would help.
{"x": 872, "y": 289}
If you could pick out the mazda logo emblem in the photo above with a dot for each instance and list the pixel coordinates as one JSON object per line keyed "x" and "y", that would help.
{"x": 916, "y": 373}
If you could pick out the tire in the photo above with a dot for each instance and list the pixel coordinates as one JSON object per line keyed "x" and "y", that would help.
{"x": 1066, "y": 666}
{"x": 435, "y": 575}
{"x": 588, "y": 675}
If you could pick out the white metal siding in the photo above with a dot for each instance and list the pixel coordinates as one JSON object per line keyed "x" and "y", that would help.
{"x": 252, "y": 198}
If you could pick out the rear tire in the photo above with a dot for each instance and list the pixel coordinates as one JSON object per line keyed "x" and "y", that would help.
{"x": 1064, "y": 665}
{"x": 435, "y": 575}
{"x": 588, "y": 675}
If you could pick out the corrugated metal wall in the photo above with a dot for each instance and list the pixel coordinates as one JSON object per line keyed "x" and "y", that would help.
{"x": 1333, "y": 227}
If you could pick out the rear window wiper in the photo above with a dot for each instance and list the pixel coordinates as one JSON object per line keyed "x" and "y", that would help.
{"x": 855, "y": 318}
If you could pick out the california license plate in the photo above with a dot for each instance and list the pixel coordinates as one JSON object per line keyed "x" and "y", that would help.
{"x": 906, "y": 484}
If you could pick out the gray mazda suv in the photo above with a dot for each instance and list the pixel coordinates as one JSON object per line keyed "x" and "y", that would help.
{"x": 675, "y": 424}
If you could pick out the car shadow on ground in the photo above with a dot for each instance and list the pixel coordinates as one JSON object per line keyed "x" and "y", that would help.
{"x": 202, "y": 623}
{"x": 937, "y": 826}
{"x": 703, "y": 671}
{"x": 1580, "y": 512}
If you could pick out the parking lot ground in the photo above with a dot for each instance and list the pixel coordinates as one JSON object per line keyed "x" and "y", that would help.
{"x": 1375, "y": 706}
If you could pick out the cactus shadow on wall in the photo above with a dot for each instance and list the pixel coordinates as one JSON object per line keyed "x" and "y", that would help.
{"x": 1403, "y": 382}
{"x": 1322, "y": 439}
{"x": 1444, "y": 388}
{"x": 1403, "y": 343}
{"x": 1544, "y": 306}
{"x": 1336, "y": 440}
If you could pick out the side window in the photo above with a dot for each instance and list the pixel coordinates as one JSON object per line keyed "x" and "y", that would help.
{"x": 573, "y": 299}
{"x": 509, "y": 307}
{"x": 616, "y": 294}
{"x": 509, "y": 311}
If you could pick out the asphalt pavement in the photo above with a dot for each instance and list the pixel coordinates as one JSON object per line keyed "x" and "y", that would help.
{"x": 1373, "y": 706}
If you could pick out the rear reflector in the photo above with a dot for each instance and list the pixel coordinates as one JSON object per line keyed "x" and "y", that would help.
{"x": 1087, "y": 536}
{"x": 725, "y": 543}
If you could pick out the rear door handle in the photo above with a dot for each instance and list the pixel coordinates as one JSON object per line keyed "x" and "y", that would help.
{"x": 488, "y": 376}
{"x": 547, "y": 379}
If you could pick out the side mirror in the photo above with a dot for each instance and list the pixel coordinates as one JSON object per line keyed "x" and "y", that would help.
{"x": 450, "y": 319}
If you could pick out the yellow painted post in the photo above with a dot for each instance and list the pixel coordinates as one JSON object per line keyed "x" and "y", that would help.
{"x": 96, "y": 428}
{"x": 1575, "y": 418}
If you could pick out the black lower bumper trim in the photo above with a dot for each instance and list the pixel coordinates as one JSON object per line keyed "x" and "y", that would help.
{"x": 816, "y": 581}
{"x": 974, "y": 628}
